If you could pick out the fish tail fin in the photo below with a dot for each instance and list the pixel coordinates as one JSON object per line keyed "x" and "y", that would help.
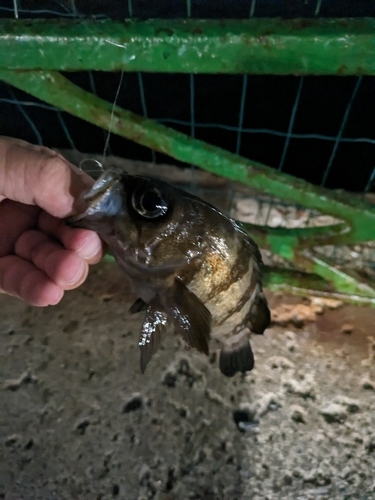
{"x": 236, "y": 356}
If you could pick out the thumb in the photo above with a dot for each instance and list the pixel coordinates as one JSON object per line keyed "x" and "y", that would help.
{"x": 36, "y": 175}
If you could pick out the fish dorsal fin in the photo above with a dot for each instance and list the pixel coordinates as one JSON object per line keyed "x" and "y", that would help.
{"x": 154, "y": 326}
{"x": 259, "y": 314}
{"x": 192, "y": 320}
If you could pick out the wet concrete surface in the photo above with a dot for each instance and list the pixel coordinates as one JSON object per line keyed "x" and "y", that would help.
{"x": 79, "y": 421}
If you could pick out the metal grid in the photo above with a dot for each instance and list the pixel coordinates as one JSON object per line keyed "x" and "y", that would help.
{"x": 281, "y": 147}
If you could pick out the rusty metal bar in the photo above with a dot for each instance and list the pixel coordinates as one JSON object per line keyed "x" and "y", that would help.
{"x": 257, "y": 46}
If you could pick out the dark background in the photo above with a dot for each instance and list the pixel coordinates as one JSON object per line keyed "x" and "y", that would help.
{"x": 268, "y": 105}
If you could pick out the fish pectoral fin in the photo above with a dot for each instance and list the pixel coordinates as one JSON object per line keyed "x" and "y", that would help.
{"x": 154, "y": 326}
{"x": 192, "y": 320}
{"x": 138, "y": 306}
{"x": 236, "y": 356}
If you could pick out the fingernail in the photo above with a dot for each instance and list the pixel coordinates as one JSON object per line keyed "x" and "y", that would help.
{"x": 90, "y": 248}
{"x": 79, "y": 274}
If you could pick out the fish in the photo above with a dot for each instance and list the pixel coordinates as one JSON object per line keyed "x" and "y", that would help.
{"x": 194, "y": 270}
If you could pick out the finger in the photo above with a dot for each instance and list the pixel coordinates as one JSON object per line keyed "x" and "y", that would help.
{"x": 39, "y": 176}
{"x": 86, "y": 243}
{"x": 64, "y": 267}
{"x": 15, "y": 218}
{"x": 23, "y": 280}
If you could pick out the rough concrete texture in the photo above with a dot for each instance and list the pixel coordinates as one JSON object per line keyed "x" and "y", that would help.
{"x": 79, "y": 421}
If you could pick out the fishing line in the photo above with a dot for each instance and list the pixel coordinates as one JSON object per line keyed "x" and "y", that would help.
{"x": 112, "y": 115}
{"x": 95, "y": 164}
{"x": 76, "y": 14}
{"x": 15, "y": 8}
{"x": 91, "y": 166}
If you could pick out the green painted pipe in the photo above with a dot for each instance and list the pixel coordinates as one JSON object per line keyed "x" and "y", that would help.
{"x": 55, "y": 89}
{"x": 256, "y": 46}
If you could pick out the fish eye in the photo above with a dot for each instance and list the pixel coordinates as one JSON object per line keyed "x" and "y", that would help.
{"x": 149, "y": 203}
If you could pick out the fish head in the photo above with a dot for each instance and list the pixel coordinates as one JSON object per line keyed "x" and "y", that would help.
{"x": 150, "y": 221}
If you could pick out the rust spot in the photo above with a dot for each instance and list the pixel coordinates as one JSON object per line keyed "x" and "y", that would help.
{"x": 28, "y": 24}
{"x": 300, "y": 24}
{"x": 165, "y": 31}
{"x": 265, "y": 41}
{"x": 197, "y": 30}
{"x": 342, "y": 70}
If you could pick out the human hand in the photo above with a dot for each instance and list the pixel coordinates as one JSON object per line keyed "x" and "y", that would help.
{"x": 40, "y": 257}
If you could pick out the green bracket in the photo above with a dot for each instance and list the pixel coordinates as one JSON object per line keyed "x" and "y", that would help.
{"x": 358, "y": 216}
{"x": 301, "y": 283}
{"x": 290, "y": 244}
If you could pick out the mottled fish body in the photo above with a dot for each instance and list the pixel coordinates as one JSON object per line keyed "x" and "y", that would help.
{"x": 193, "y": 268}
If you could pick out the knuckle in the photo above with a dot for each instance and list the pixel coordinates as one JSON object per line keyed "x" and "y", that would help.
{"x": 51, "y": 168}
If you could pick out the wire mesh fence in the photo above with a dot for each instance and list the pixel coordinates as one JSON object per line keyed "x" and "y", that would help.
{"x": 317, "y": 128}
{"x": 282, "y": 121}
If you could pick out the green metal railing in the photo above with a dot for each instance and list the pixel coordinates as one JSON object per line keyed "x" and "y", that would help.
{"x": 257, "y": 46}
{"x": 32, "y": 53}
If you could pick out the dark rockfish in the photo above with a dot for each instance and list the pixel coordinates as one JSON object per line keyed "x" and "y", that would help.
{"x": 193, "y": 268}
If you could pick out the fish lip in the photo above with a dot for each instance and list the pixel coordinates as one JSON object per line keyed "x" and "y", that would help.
{"x": 71, "y": 220}
{"x": 87, "y": 200}
{"x": 75, "y": 218}
{"x": 109, "y": 178}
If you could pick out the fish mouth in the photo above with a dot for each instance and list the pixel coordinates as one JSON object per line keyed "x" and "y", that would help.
{"x": 109, "y": 178}
{"x": 104, "y": 198}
